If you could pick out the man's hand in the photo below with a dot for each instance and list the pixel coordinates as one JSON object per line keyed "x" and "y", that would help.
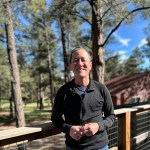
{"x": 90, "y": 129}
{"x": 76, "y": 132}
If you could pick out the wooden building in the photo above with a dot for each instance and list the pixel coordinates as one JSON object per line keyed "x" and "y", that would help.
{"x": 129, "y": 89}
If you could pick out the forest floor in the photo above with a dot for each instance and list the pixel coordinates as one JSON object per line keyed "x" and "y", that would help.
{"x": 33, "y": 116}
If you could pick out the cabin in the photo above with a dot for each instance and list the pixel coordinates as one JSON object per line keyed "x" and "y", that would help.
{"x": 129, "y": 89}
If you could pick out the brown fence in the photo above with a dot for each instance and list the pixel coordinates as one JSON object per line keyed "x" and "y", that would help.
{"x": 129, "y": 132}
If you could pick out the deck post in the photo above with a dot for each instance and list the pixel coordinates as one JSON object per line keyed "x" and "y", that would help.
{"x": 124, "y": 143}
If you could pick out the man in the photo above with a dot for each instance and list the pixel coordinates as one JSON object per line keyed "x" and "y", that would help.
{"x": 83, "y": 108}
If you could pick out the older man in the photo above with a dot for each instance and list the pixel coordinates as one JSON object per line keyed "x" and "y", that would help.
{"x": 83, "y": 108}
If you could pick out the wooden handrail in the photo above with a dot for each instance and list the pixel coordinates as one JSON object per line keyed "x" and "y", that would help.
{"x": 28, "y": 133}
{"x": 48, "y": 129}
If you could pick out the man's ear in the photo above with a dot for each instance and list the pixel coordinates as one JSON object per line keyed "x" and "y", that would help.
{"x": 70, "y": 66}
{"x": 91, "y": 64}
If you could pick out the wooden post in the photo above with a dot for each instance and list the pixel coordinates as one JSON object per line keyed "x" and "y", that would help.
{"x": 124, "y": 143}
{"x": 133, "y": 124}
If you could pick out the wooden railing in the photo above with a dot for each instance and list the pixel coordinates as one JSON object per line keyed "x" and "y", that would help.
{"x": 128, "y": 126}
{"x": 125, "y": 116}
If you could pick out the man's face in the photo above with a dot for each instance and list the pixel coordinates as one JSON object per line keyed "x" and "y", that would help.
{"x": 81, "y": 63}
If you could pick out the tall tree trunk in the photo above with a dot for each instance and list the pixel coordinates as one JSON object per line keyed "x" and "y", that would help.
{"x": 49, "y": 66}
{"x": 0, "y": 96}
{"x": 97, "y": 40}
{"x": 38, "y": 96}
{"x": 66, "y": 61}
{"x": 11, "y": 101}
{"x": 14, "y": 66}
{"x": 48, "y": 58}
{"x": 41, "y": 92}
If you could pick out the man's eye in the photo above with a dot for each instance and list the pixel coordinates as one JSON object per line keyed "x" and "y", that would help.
{"x": 76, "y": 59}
{"x": 83, "y": 60}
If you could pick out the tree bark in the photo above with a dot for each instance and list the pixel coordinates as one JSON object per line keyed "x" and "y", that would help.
{"x": 14, "y": 66}
{"x": 49, "y": 66}
{"x": 97, "y": 40}
{"x": 41, "y": 92}
{"x": 66, "y": 61}
{"x": 11, "y": 102}
{"x": 0, "y": 96}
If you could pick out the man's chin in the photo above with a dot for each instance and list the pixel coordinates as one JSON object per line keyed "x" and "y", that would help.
{"x": 81, "y": 75}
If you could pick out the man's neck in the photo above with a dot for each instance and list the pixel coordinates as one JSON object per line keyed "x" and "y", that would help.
{"x": 82, "y": 81}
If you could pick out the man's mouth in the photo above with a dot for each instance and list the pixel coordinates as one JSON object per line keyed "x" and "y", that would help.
{"x": 81, "y": 69}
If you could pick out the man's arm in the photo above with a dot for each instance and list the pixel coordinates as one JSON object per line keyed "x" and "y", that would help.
{"x": 108, "y": 110}
{"x": 57, "y": 113}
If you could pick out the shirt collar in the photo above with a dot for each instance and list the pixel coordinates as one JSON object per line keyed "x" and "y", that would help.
{"x": 90, "y": 87}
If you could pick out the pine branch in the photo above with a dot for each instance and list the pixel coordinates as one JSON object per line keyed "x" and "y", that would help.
{"x": 118, "y": 25}
{"x": 107, "y": 60}
{"x": 81, "y": 17}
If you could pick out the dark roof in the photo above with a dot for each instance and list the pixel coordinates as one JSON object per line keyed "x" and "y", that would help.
{"x": 120, "y": 83}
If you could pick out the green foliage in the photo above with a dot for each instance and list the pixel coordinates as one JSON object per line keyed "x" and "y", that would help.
{"x": 133, "y": 63}
{"x": 32, "y": 113}
{"x": 31, "y": 20}
{"x": 114, "y": 67}
{"x": 35, "y": 114}
{"x": 146, "y": 48}
{"x": 5, "y": 76}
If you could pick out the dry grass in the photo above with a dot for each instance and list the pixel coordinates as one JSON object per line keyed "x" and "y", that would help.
{"x": 32, "y": 114}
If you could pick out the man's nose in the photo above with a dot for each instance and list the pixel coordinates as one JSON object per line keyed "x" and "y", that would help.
{"x": 80, "y": 62}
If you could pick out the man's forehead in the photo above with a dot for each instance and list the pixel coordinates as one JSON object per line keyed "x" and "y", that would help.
{"x": 79, "y": 56}
{"x": 81, "y": 53}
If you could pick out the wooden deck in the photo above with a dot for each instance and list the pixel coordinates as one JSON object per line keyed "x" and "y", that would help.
{"x": 27, "y": 134}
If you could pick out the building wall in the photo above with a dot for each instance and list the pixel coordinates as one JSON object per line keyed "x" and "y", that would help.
{"x": 138, "y": 91}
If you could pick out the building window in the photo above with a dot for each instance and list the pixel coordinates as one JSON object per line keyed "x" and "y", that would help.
{"x": 134, "y": 99}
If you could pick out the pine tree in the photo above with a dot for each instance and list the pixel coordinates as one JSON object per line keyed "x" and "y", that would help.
{"x": 107, "y": 17}
{"x": 43, "y": 43}
{"x": 134, "y": 62}
{"x": 20, "y": 118}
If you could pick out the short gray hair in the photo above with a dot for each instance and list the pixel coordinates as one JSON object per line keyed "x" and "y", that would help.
{"x": 76, "y": 49}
